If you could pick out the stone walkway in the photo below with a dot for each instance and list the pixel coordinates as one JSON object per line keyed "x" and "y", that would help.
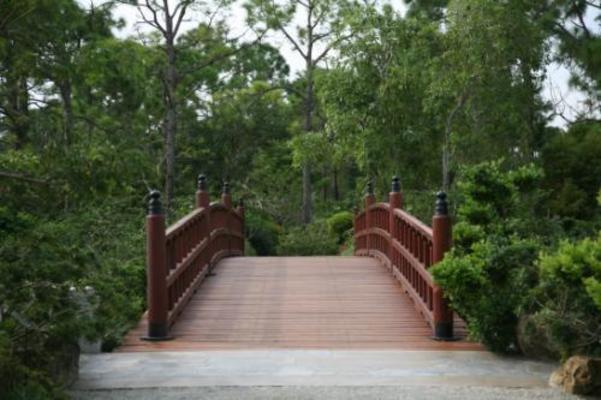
{"x": 305, "y": 374}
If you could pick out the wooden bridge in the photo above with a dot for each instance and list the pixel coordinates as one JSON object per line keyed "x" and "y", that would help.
{"x": 204, "y": 294}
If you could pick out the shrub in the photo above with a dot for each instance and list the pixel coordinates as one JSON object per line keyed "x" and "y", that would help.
{"x": 340, "y": 225}
{"x": 489, "y": 275}
{"x": 262, "y": 233}
{"x": 312, "y": 239}
{"x": 490, "y": 287}
{"x": 47, "y": 266}
{"x": 570, "y": 296}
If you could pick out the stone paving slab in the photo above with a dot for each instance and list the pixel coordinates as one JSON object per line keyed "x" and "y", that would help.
{"x": 319, "y": 368}
{"x": 328, "y": 392}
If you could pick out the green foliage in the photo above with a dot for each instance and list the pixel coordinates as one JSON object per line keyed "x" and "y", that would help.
{"x": 495, "y": 202}
{"x": 61, "y": 279}
{"x": 262, "y": 233}
{"x": 573, "y": 171}
{"x": 570, "y": 297}
{"x": 308, "y": 240}
{"x": 491, "y": 270}
{"x": 489, "y": 288}
{"x": 340, "y": 225}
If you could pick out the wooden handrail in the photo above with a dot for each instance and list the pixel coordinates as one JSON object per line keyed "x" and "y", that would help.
{"x": 408, "y": 247}
{"x": 181, "y": 256}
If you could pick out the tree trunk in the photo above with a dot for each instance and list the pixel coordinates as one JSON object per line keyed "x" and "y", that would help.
{"x": 17, "y": 109}
{"x": 170, "y": 122}
{"x": 335, "y": 185}
{"x": 308, "y": 126}
{"x": 65, "y": 90}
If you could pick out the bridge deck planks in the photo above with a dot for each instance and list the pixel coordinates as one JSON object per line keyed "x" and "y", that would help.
{"x": 299, "y": 302}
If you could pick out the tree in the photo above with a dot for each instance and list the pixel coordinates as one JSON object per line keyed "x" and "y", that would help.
{"x": 167, "y": 20}
{"x": 573, "y": 23}
{"x": 312, "y": 39}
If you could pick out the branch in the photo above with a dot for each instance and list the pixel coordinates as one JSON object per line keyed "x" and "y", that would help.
{"x": 302, "y": 3}
{"x": 330, "y": 47}
{"x": 179, "y": 18}
{"x": 294, "y": 43}
{"x": 155, "y": 20}
{"x": 23, "y": 177}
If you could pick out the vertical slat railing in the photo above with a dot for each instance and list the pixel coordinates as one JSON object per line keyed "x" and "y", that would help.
{"x": 179, "y": 258}
{"x": 409, "y": 248}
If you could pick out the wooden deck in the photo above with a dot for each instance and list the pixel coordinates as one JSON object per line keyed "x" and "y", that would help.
{"x": 298, "y": 302}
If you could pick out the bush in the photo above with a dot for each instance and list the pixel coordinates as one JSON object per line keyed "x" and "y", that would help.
{"x": 570, "y": 296}
{"x": 79, "y": 274}
{"x": 340, "y": 225}
{"x": 262, "y": 233}
{"x": 490, "y": 287}
{"x": 312, "y": 239}
{"x": 491, "y": 271}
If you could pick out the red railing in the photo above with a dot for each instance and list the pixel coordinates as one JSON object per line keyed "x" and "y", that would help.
{"x": 179, "y": 258}
{"x": 408, "y": 247}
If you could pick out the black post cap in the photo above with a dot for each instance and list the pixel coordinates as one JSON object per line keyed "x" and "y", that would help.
{"x": 202, "y": 183}
{"x": 441, "y": 204}
{"x": 226, "y": 187}
{"x": 396, "y": 184}
{"x": 370, "y": 187}
{"x": 155, "y": 206}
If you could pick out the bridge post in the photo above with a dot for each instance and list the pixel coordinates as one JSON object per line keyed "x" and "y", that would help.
{"x": 395, "y": 200}
{"x": 369, "y": 199}
{"x": 441, "y": 237}
{"x": 226, "y": 197}
{"x": 202, "y": 195}
{"x": 156, "y": 270}
{"x": 240, "y": 210}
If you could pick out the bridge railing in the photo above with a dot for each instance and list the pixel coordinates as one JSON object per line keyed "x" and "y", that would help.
{"x": 408, "y": 247}
{"x": 180, "y": 257}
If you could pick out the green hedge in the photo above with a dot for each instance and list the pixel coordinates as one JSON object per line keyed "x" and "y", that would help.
{"x": 312, "y": 239}
{"x": 340, "y": 225}
{"x": 517, "y": 286}
{"x": 262, "y": 232}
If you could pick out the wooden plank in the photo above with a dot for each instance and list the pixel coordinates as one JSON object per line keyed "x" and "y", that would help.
{"x": 298, "y": 302}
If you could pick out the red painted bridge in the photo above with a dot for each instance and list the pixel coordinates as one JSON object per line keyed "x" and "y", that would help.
{"x": 204, "y": 294}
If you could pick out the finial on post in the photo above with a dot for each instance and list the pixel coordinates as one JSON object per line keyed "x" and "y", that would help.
{"x": 155, "y": 206}
{"x": 396, "y": 184}
{"x": 226, "y": 197}
{"x": 202, "y": 183}
{"x": 441, "y": 207}
{"x": 370, "y": 187}
{"x": 202, "y": 195}
{"x": 370, "y": 198}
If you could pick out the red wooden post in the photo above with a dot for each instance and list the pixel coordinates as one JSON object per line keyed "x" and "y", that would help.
{"x": 441, "y": 238}
{"x": 156, "y": 271}
{"x": 202, "y": 196}
{"x": 370, "y": 199}
{"x": 226, "y": 197}
{"x": 226, "y": 200}
{"x": 355, "y": 228}
{"x": 240, "y": 210}
{"x": 395, "y": 200}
